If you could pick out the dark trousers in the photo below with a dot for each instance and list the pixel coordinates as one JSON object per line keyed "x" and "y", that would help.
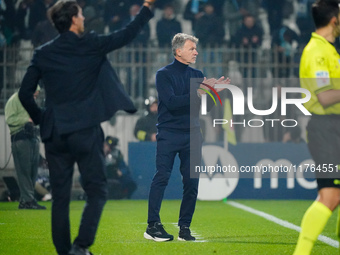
{"x": 85, "y": 148}
{"x": 26, "y": 159}
{"x": 170, "y": 143}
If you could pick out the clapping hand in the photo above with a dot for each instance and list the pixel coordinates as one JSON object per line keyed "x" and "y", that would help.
{"x": 222, "y": 81}
{"x": 206, "y": 84}
{"x": 211, "y": 83}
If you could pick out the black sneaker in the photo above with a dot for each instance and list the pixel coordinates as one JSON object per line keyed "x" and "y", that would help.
{"x": 31, "y": 205}
{"x": 157, "y": 233}
{"x": 185, "y": 234}
{"x": 77, "y": 250}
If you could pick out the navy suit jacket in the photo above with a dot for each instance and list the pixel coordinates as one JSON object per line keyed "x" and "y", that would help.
{"x": 81, "y": 87}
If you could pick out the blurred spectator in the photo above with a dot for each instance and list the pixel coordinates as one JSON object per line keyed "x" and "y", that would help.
{"x": 282, "y": 43}
{"x": 93, "y": 20}
{"x": 20, "y": 17}
{"x": 218, "y": 6}
{"x": 145, "y": 129}
{"x": 143, "y": 37}
{"x": 235, "y": 10}
{"x": 99, "y": 6}
{"x": 43, "y": 32}
{"x": 120, "y": 182}
{"x": 304, "y": 20}
{"x": 38, "y": 12}
{"x": 167, "y": 27}
{"x": 250, "y": 7}
{"x": 210, "y": 32}
{"x": 248, "y": 37}
{"x": 25, "y": 150}
{"x": 7, "y": 21}
{"x": 233, "y": 16}
{"x": 193, "y": 11}
{"x": 210, "y": 29}
{"x": 115, "y": 12}
{"x": 293, "y": 135}
{"x": 274, "y": 10}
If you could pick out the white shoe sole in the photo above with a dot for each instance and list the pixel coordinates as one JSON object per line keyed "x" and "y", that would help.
{"x": 183, "y": 240}
{"x": 156, "y": 239}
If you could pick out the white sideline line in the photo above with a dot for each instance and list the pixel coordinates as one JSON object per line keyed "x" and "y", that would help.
{"x": 280, "y": 222}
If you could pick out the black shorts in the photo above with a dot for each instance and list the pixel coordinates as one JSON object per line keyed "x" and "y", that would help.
{"x": 324, "y": 146}
{"x": 328, "y": 183}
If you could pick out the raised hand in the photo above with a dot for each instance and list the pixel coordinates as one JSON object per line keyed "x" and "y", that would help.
{"x": 149, "y": 3}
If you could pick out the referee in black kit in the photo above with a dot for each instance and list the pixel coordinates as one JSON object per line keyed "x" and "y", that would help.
{"x": 178, "y": 133}
{"x": 82, "y": 90}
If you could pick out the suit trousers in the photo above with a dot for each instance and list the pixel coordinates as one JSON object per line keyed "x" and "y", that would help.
{"x": 84, "y": 147}
{"x": 188, "y": 146}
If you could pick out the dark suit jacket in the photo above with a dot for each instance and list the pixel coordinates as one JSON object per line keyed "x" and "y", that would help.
{"x": 81, "y": 87}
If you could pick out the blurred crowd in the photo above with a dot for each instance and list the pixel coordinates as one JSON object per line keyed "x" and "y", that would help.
{"x": 219, "y": 24}
{"x": 214, "y": 22}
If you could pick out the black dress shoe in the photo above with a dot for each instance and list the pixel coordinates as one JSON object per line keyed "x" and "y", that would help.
{"x": 31, "y": 205}
{"x": 77, "y": 250}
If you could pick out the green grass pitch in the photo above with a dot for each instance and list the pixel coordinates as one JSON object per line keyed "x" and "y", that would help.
{"x": 221, "y": 229}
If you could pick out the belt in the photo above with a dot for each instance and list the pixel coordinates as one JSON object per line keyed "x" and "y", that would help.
{"x": 21, "y": 135}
